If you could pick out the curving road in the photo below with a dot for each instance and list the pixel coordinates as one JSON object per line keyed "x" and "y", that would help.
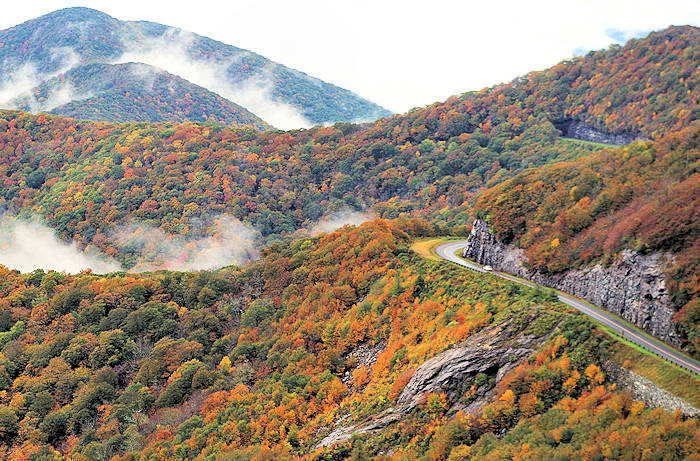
{"x": 447, "y": 251}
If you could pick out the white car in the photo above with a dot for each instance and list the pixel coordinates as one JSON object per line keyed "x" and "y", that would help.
{"x": 488, "y": 268}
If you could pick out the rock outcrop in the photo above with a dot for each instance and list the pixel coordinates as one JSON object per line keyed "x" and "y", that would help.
{"x": 493, "y": 352}
{"x": 632, "y": 287}
{"x": 366, "y": 355}
{"x": 577, "y": 129}
{"x": 646, "y": 391}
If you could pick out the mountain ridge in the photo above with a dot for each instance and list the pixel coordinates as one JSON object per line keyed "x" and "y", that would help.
{"x": 105, "y": 92}
{"x": 56, "y": 42}
{"x": 447, "y": 151}
{"x": 433, "y": 162}
{"x": 264, "y": 362}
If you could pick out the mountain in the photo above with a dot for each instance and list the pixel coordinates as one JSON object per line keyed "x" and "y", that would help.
{"x": 135, "y": 192}
{"x": 430, "y": 162}
{"x": 630, "y": 210}
{"x": 139, "y": 192}
{"x": 132, "y": 92}
{"x": 39, "y": 49}
{"x": 356, "y": 343}
{"x": 343, "y": 346}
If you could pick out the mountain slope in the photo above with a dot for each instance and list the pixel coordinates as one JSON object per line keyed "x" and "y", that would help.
{"x": 107, "y": 186}
{"x": 43, "y": 47}
{"x": 644, "y": 89}
{"x": 322, "y": 335}
{"x": 132, "y": 92}
{"x": 430, "y": 162}
{"x": 644, "y": 197}
{"x": 348, "y": 345}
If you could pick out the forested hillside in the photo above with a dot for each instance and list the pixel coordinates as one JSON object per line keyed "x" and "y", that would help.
{"x": 58, "y": 42}
{"x": 133, "y": 92}
{"x": 265, "y": 361}
{"x": 645, "y": 196}
{"x": 348, "y": 344}
{"x": 87, "y": 178}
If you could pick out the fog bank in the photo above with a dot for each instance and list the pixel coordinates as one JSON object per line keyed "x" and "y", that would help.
{"x": 26, "y": 245}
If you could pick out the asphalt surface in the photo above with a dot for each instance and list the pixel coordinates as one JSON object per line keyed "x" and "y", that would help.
{"x": 447, "y": 251}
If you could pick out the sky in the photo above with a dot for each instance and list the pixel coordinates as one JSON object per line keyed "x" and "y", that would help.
{"x": 401, "y": 54}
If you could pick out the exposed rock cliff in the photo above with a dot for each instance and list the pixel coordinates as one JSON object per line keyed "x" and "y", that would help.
{"x": 633, "y": 287}
{"x": 646, "y": 391}
{"x": 586, "y": 132}
{"x": 493, "y": 352}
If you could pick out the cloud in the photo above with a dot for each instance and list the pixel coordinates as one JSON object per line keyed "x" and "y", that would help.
{"x": 146, "y": 75}
{"x": 62, "y": 94}
{"x": 16, "y": 88}
{"x": 339, "y": 219}
{"x": 17, "y": 84}
{"x": 255, "y": 95}
{"x": 621, "y": 36}
{"x": 27, "y": 245}
{"x": 228, "y": 241}
{"x": 171, "y": 52}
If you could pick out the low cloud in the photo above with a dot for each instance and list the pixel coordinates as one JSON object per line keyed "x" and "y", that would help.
{"x": 255, "y": 95}
{"x": 339, "y": 219}
{"x": 228, "y": 242}
{"x": 63, "y": 93}
{"x": 170, "y": 52}
{"x": 27, "y": 245}
{"x": 147, "y": 75}
{"x": 16, "y": 87}
{"x": 17, "y": 84}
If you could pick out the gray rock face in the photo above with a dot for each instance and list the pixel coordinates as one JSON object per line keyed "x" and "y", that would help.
{"x": 646, "y": 391}
{"x": 377, "y": 423}
{"x": 584, "y": 131}
{"x": 494, "y": 352}
{"x": 633, "y": 287}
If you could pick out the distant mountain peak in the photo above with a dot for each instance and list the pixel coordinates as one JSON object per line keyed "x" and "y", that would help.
{"x": 108, "y": 92}
{"x": 76, "y": 12}
{"x": 42, "y": 48}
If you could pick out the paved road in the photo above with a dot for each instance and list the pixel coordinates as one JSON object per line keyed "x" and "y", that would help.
{"x": 447, "y": 251}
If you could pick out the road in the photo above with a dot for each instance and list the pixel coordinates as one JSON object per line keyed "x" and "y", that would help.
{"x": 447, "y": 251}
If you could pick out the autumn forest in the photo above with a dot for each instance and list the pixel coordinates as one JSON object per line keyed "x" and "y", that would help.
{"x": 318, "y": 343}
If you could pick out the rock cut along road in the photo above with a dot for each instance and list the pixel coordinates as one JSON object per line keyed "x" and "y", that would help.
{"x": 447, "y": 251}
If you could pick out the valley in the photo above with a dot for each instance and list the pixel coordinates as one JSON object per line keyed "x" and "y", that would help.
{"x": 208, "y": 255}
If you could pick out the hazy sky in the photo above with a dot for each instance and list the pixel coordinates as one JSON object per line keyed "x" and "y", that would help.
{"x": 400, "y": 54}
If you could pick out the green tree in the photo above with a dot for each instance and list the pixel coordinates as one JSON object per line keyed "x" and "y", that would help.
{"x": 8, "y": 424}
